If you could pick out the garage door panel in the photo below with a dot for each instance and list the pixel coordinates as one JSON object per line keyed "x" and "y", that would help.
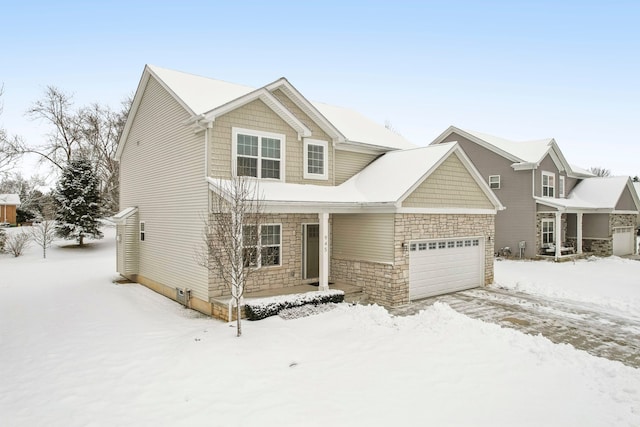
{"x": 623, "y": 241}
{"x": 445, "y": 265}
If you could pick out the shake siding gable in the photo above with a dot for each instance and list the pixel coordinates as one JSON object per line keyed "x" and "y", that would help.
{"x": 450, "y": 185}
{"x": 161, "y": 172}
{"x": 363, "y": 237}
{"x": 518, "y": 221}
{"x": 349, "y": 163}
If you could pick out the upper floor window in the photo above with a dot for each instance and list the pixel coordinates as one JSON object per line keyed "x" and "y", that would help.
{"x": 561, "y": 186}
{"x": 494, "y": 182}
{"x": 315, "y": 159}
{"x": 548, "y": 184}
{"x": 258, "y": 154}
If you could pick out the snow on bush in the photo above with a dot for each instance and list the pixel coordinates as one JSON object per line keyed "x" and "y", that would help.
{"x": 262, "y": 308}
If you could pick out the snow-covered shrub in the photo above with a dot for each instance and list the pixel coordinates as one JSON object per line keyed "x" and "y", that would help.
{"x": 265, "y": 307}
{"x": 16, "y": 243}
{"x": 3, "y": 239}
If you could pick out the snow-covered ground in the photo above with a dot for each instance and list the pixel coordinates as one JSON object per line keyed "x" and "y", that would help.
{"x": 612, "y": 283}
{"x": 78, "y": 350}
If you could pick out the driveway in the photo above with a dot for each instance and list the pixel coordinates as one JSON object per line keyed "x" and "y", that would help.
{"x": 586, "y": 327}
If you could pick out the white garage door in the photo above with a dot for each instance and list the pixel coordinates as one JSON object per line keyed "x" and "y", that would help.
{"x": 623, "y": 240}
{"x": 447, "y": 265}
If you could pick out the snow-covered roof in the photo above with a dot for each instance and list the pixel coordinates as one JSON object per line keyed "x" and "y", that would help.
{"x": 636, "y": 185}
{"x": 599, "y": 193}
{"x": 10, "y": 199}
{"x": 202, "y": 94}
{"x": 525, "y": 151}
{"x": 383, "y": 183}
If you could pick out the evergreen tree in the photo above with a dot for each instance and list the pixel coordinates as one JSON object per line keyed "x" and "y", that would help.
{"x": 77, "y": 198}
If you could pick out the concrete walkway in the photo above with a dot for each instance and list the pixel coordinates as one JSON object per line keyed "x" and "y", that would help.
{"x": 587, "y": 327}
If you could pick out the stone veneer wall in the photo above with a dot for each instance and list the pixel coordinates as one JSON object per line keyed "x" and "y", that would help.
{"x": 563, "y": 234}
{"x": 286, "y": 275}
{"x": 388, "y": 284}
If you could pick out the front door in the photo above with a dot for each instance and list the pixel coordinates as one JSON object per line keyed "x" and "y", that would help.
{"x": 311, "y": 251}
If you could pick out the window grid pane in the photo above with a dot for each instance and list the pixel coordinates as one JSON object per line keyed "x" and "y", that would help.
{"x": 271, "y": 148}
{"x": 247, "y": 166}
{"x": 247, "y": 145}
{"x": 270, "y": 169}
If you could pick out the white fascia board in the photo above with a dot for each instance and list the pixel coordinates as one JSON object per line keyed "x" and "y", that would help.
{"x": 271, "y": 101}
{"x": 625, "y": 212}
{"x": 522, "y": 166}
{"x": 303, "y": 103}
{"x": 481, "y": 142}
{"x": 361, "y": 148}
{"x": 447, "y": 211}
{"x": 122, "y": 216}
{"x": 299, "y": 207}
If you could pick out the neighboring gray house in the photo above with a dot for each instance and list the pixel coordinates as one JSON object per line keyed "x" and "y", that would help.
{"x": 348, "y": 201}
{"x": 552, "y": 207}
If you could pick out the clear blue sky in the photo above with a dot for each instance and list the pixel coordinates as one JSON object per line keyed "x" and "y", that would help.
{"x": 520, "y": 70}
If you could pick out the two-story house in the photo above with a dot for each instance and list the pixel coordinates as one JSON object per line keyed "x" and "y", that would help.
{"x": 347, "y": 201}
{"x": 552, "y": 207}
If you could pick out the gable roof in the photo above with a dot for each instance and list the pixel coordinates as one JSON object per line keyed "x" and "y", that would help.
{"x": 205, "y": 98}
{"x": 599, "y": 193}
{"x": 382, "y": 184}
{"x": 10, "y": 199}
{"x": 523, "y": 154}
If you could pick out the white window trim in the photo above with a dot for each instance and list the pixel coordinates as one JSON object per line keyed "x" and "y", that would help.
{"x": 561, "y": 186}
{"x": 552, "y": 175}
{"x": 553, "y": 226}
{"x": 234, "y": 150}
{"x": 142, "y": 234}
{"x": 491, "y": 178}
{"x": 325, "y": 147}
{"x": 260, "y": 246}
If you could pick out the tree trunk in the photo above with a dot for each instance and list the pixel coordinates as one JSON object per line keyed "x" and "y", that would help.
{"x": 238, "y": 311}
{"x": 81, "y": 241}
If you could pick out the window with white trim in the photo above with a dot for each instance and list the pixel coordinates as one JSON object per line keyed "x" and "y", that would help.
{"x": 315, "y": 159}
{"x": 548, "y": 184}
{"x": 258, "y": 154}
{"x": 548, "y": 231}
{"x": 269, "y": 241}
{"x": 494, "y": 182}
{"x": 561, "y": 186}
{"x": 142, "y": 231}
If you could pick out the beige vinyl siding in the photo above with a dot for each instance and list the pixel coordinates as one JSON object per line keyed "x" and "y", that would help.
{"x": 363, "y": 237}
{"x": 162, "y": 173}
{"x": 449, "y": 186}
{"x": 128, "y": 246}
{"x": 349, "y": 163}
{"x": 257, "y": 116}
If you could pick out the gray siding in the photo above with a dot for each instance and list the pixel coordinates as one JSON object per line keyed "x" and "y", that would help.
{"x": 546, "y": 165}
{"x": 595, "y": 226}
{"x": 518, "y": 221}
{"x": 625, "y": 203}
{"x": 349, "y": 163}
{"x": 162, "y": 173}
{"x": 363, "y": 237}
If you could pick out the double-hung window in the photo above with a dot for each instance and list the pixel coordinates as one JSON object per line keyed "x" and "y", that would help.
{"x": 262, "y": 250}
{"x": 494, "y": 182}
{"x": 548, "y": 235}
{"x": 561, "y": 186}
{"x": 258, "y": 154}
{"x": 548, "y": 184}
{"x": 315, "y": 159}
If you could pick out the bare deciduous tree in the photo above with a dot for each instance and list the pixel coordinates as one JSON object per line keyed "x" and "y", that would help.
{"x": 17, "y": 242}
{"x": 7, "y": 155}
{"x": 90, "y": 132}
{"x": 44, "y": 233}
{"x": 599, "y": 171}
{"x": 232, "y": 244}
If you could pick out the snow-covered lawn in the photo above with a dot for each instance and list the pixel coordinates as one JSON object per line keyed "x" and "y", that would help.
{"x": 78, "y": 350}
{"x": 612, "y": 283}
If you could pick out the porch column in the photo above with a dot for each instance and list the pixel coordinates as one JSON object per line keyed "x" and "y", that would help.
{"x": 558, "y": 233}
{"x": 323, "y": 219}
{"x": 579, "y": 232}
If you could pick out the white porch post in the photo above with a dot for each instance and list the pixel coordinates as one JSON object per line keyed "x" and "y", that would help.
{"x": 323, "y": 219}
{"x": 579, "y": 232}
{"x": 558, "y": 233}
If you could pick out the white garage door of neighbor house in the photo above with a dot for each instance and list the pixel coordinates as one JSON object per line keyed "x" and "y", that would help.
{"x": 623, "y": 240}
{"x": 446, "y": 265}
